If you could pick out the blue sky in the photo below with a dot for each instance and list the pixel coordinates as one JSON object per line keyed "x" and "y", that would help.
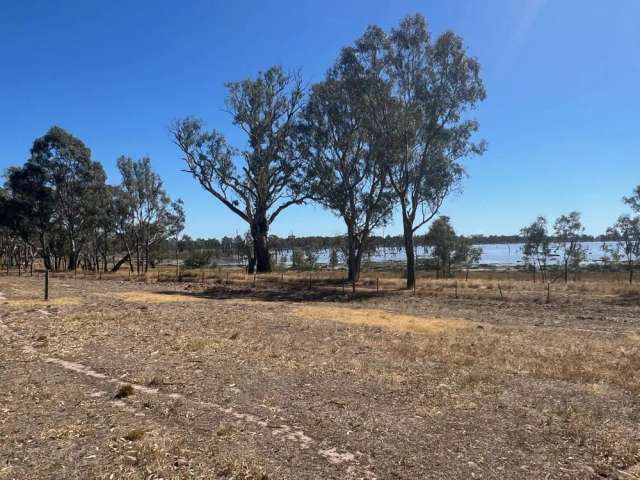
{"x": 562, "y": 76}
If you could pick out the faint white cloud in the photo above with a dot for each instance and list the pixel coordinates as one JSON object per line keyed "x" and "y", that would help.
{"x": 526, "y": 18}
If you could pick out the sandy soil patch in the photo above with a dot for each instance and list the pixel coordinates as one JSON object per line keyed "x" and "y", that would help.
{"x": 381, "y": 318}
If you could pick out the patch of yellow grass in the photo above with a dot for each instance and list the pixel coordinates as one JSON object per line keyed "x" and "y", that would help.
{"x": 381, "y": 318}
{"x": 246, "y": 301}
{"x": 34, "y": 301}
{"x": 155, "y": 297}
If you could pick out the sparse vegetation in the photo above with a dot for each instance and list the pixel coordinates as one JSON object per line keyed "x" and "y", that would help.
{"x": 258, "y": 357}
{"x": 546, "y": 377}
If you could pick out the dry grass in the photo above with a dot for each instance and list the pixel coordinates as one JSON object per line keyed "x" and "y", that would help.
{"x": 124, "y": 391}
{"x": 154, "y": 297}
{"x": 544, "y": 391}
{"x": 29, "y": 302}
{"x": 380, "y": 318}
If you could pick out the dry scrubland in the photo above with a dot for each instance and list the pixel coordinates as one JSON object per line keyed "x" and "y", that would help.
{"x": 290, "y": 378}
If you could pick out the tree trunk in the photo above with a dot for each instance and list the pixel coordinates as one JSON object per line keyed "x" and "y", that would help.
{"x": 411, "y": 255}
{"x": 73, "y": 258}
{"x": 120, "y": 262}
{"x": 353, "y": 265}
{"x": 260, "y": 235}
{"x": 146, "y": 256}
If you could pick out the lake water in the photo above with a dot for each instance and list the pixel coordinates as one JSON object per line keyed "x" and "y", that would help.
{"x": 499, "y": 254}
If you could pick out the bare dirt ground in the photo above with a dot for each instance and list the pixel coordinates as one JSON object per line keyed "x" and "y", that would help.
{"x": 116, "y": 379}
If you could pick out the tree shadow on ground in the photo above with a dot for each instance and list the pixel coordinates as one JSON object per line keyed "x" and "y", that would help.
{"x": 289, "y": 293}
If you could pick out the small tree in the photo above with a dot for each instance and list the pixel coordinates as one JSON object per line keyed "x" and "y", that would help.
{"x": 567, "y": 230}
{"x": 148, "y": 216}
{"x": 266, "y": 183}
{"x": 297, "y": 258}
{"x": 311, "y": 257}
{"x": 627, "y": 232}
{"x": 537, "y": 246}
{"x": 442, "y": 240}
{"x": 627, "y": 247}
{"x": 466, "y": 255}
{"x": 334, "y": 258}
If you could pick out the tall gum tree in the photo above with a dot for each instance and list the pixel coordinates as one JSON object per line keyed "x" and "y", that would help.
{"x": 421, "y": 125}
{"x": 258, "y": 183}
{"x": 343, "y": 172}
{"x": 75, "y": 182}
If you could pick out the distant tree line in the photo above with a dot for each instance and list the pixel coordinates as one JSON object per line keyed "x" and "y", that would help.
{"x": 58, "y": 207}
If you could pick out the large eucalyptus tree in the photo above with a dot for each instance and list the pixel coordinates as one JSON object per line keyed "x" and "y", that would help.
{"x": 259, "y": 182}
{"x": 423, "y": 128}
{"x": 344, "y": 171}
{"x": 55, "y": 195}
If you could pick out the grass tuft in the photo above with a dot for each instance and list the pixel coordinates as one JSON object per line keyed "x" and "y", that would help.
{"x": 124, "y": 391}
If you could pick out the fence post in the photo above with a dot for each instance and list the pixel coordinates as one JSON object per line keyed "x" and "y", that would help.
{"x": 456, "y": 289}
{"x": 377, "y": 284}
{"x": 500, "y": 290}
{"x": 46, "y": 284}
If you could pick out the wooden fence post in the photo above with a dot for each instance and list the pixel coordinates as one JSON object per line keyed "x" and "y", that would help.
{"x": 46, "y": 285}
{"x": 456, "y": 289}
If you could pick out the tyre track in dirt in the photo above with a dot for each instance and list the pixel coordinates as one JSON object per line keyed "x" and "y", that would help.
{"x": 357, "y": 466}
